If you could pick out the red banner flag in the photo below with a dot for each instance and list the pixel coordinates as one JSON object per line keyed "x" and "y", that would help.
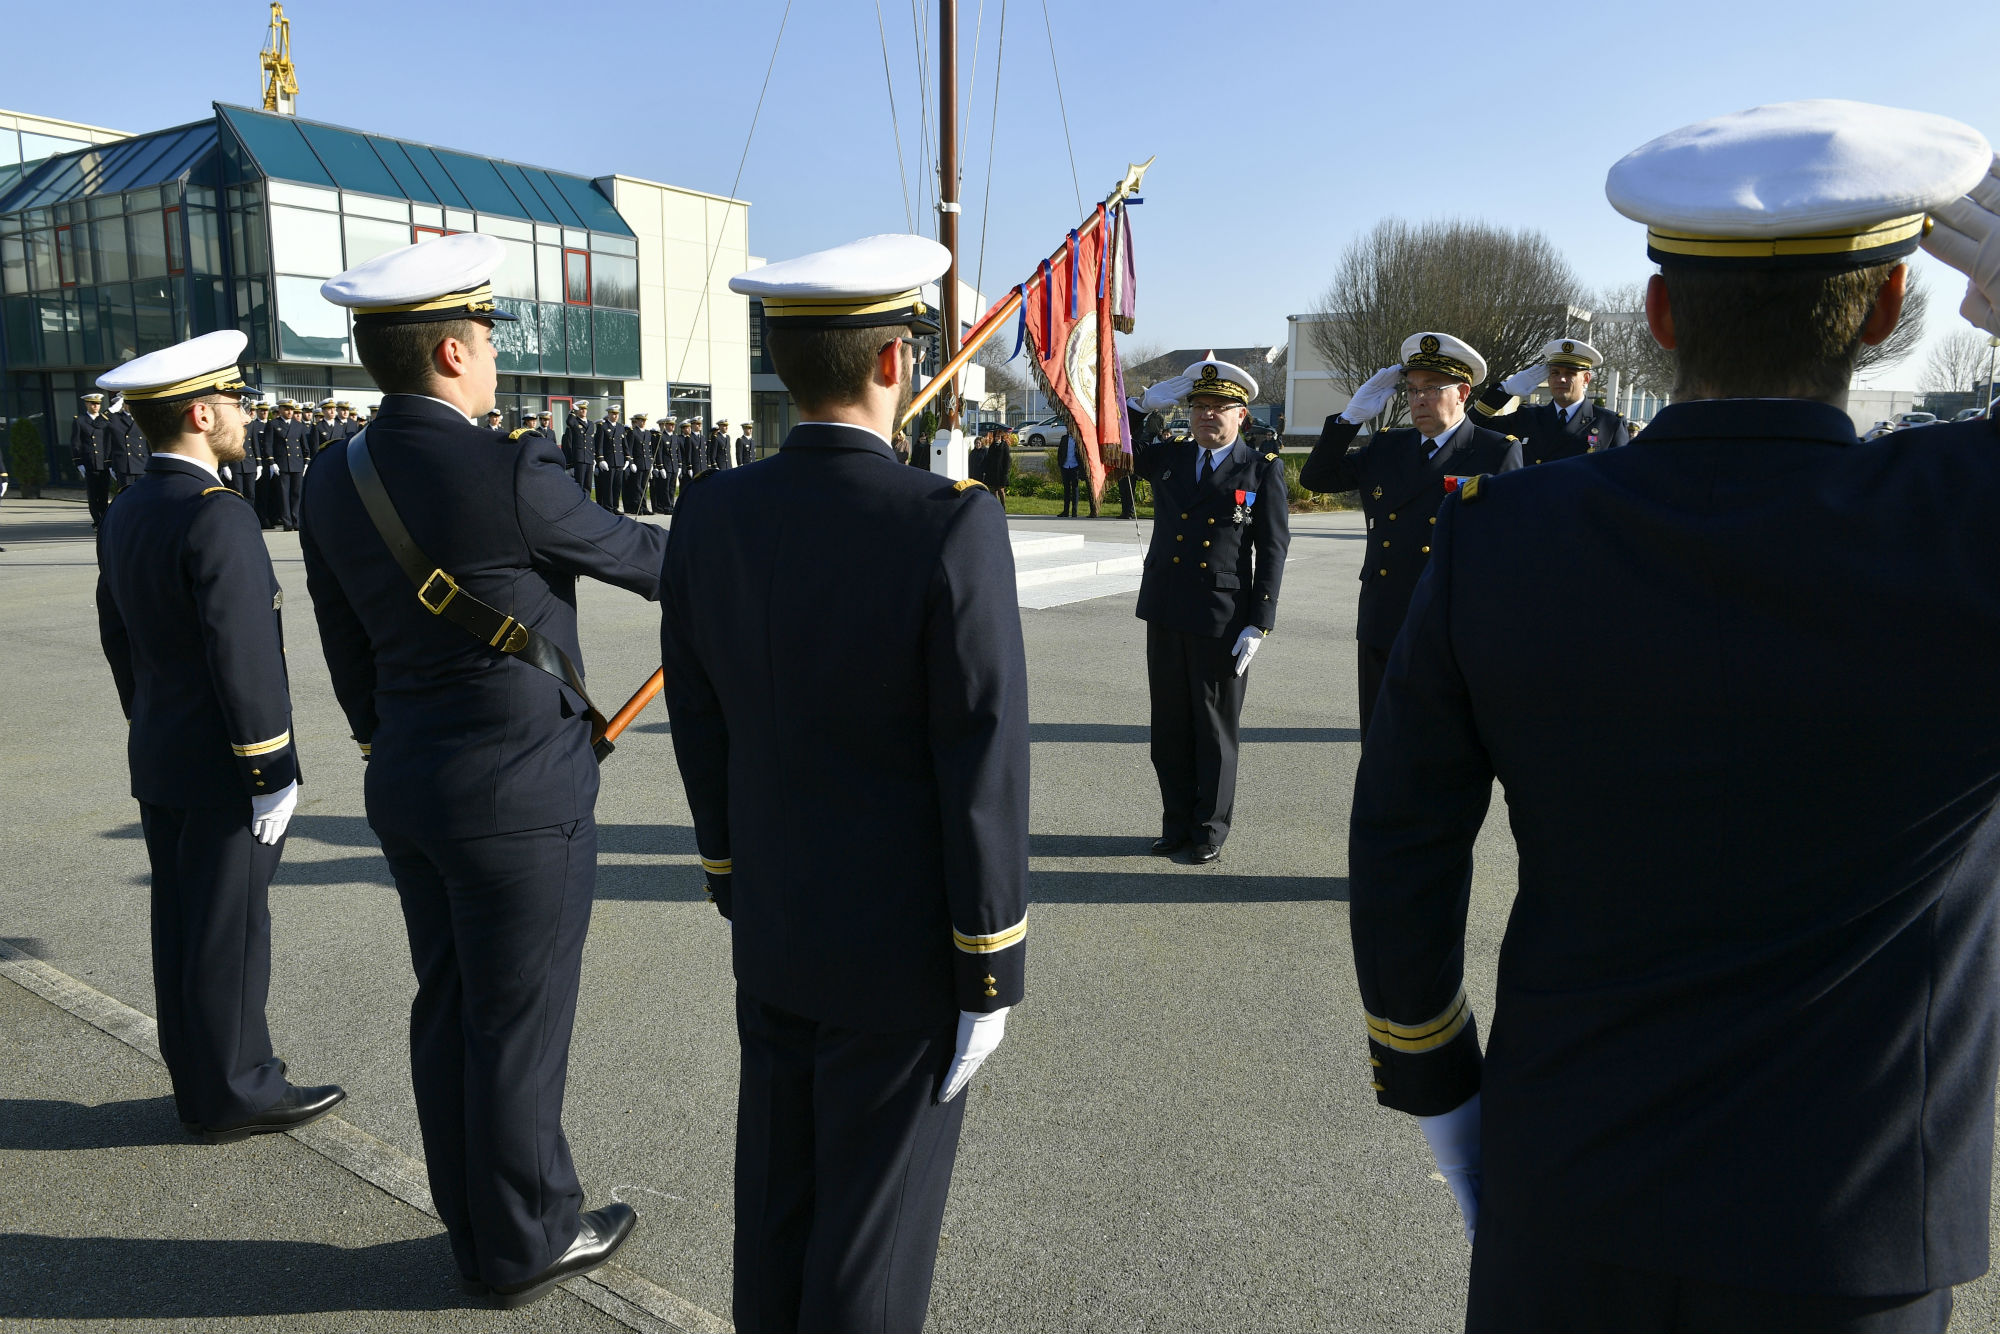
{"x": 1069, "y": 314}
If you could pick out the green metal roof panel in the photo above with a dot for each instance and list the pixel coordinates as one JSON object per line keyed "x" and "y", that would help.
{"x": 315, "y": 153}
{"x": 127, "y": 164}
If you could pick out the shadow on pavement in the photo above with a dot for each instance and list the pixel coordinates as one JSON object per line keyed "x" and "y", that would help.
{"x": 52, "y": 1125}
{"x": 1182, "y": 884}
{"x": 114, "y": 1278}
{"x": 1140, "y": 733}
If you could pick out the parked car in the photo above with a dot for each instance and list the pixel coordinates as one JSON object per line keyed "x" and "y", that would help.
{"x": 1257, "y": 435}
{"x": 1970, "y": 414}
{"x": 1909, "y": 419}
{"x": 1878, "y": 430}
{"x": 1040, "y": 434}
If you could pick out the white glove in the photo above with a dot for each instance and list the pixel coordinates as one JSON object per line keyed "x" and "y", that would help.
{"x": 1454, "y": 1141}
{"x": 79, "y": 470}
{"x": 1967, "y": 237}
{"x": 631, "y": 467}
{"x": 3, "y": 488}
{"x": 978, "y": 1035}
{"x": 270, "y": 814}
{"x": 1522, "y": 383}
{"x": 260, "y": 472}
{"x": 602, "y": 466}
{"x": 1373, "y": 395}
{"x": 1162, "y": 396}
{"x": 1246, "y": 648}
{"x": 227, "y": 475}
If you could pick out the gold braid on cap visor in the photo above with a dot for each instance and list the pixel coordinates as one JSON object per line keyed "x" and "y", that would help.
{"x": 470, "y": 304}
{"x": 224, "y": 381}
{"x": 1835, "y": 245}
{"x": 1438, "y": 361}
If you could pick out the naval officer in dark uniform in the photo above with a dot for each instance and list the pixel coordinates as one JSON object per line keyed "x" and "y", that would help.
{"x": 127, "y": 443}
{"x": 188, "y": 611}
{"x": 90, "y": 452}
{"x": 1209, "y": 594}
{"x": 1403, "y": 476}
{"x": 443, "y": 568}
{"x": 579, "y": 454}
{"x": 1569, "y": 423}
{"x": 607, "y": 448}
{"x": 1743, "y": 1048}
{"x": 836, "y": 589}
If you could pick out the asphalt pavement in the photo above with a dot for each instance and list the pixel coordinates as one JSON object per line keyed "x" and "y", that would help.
{"x": 1177, "y": 1133}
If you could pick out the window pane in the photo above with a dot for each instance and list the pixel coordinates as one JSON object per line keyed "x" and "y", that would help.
{"x": 14, "y": 265}
{"x": 517, "y": 272}
{"x": 66, "y": 254}
{"x": 617, "y": 343}
{"x": 482, "y": 185}
{"x": 204, "y": 241}
{"x": 350, "y": 159}
{"x": 153, "y": 304}
{"x": 303, "y": 196}
{"x": 613, "y": 245}
{"x": 615, "y": 281}
{"x": 107, "y": 206}
{"x": 118, "y": 329}
{"x": 310, "y": 328}
{"x": 555, "y": 345}
{"x": 548, "y": 235}
{"x": 576, "y": 240}
{"x": 549, "y": 272}
{"x": 176, "y": 257}
{"x": 369, "y": 237}
{"x": 457, "y": 220}
{"x": 305, "y": 242}
{"x": 149, "y": 245}
{"x": 518, "y": 343}
{"x": 576, "y": 278}
{"x": 113, "y": 257}
{"x": 579, "y": 341}
{"x": 393, "y": 210}
{"x": 274, "y": 141}
{"x": 508, "y": 227}
{"x": 41, "y": 260}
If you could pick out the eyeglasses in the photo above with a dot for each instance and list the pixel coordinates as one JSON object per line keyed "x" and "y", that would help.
{"x": 1210, "y": 409}
{"x": 1435, "y": 391}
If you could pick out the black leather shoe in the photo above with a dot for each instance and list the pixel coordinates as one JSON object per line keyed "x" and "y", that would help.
{"x": 1167, "y": 847}
{"x": 295, "y": 1107}
{"x": 1203, "y": 854}
{"x": 599, "y": 1234}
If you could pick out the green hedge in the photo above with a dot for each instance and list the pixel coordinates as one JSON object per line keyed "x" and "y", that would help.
{"x": 25, "y": 456}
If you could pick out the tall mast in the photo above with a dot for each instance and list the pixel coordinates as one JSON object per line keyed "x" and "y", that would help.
{"x": 948, "y": 187}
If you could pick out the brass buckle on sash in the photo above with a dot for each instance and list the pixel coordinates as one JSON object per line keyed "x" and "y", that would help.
{"x": 451, "y": 591}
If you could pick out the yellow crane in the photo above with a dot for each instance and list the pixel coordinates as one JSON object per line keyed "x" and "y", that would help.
{"x": 281, "y": 79}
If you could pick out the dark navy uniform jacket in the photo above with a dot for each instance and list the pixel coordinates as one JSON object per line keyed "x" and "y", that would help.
{"x": 1737, "y": 681}
{"x": 1544, "y": 434}
{"x": 608, "y": 444}
{"x": 288, "y": 441}
{"x": 463, "y": 740}
{"x": 127, "y": 445}
{"x": 188, "y": 611}
{"x": 88, "y": 441}
{"x": 849, "y": 696}
{"x": 1400, "y": 495}
{"x": 577, "y": 450}
{"x": 1207, "y": 573}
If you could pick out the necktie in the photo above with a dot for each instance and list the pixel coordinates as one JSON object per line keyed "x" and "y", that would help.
{"x": 1206, "y": 469}
{"x": 1430, "y": 450}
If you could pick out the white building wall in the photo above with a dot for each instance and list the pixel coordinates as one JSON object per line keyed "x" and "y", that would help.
{"x": 1313, "y": 390}
{"x": 693, "y": 329}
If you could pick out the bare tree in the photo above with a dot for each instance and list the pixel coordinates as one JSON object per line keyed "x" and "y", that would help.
{"x": 1004, "y": 375}
{"x": 1504, "y": 292}
{"x": 1957, "y": 364}
{"x": 1908, "y": 335}
{"x": 1620, "y": 332}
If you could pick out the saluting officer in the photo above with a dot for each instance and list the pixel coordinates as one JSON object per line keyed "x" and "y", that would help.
{"x": 188, "y": 610}
{"x": 90, "y": 451}
{"x": 1209, "y": 595}
{"x": 578, "y": 451}
{"x": 127, "y": 443}
{"x": 1568, "y": 424}
{"x": 607, "y": 445}
{"x": 835, "y": 588}
{"x": 291, "y": 450}
{"x": 1743, "y": 1056}
{"x": 1403, "y": 476}
{"x": 638, "y": 465}
{"x": 443, "y": 569}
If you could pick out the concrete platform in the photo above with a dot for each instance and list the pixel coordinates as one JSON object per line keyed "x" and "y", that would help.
{"x": 1054, "y": 569}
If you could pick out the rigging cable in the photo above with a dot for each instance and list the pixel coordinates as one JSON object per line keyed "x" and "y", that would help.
{"x": 902, "y": 172}
{"x": 1050, "y": 30}
{"x": 971, "y": 97}
{"x": 993, "y": 130}
{"x": 920, "y": 36}
{"x": 713, "y": 254}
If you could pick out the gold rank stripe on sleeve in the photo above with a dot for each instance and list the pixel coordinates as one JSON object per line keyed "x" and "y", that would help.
{"x": 256, "y": 748}
{"x": 1427, "y": 1036}
{"x": 719, "y": 866}
{"x": 994, "y": 943}
{"x": 367, "y": 747}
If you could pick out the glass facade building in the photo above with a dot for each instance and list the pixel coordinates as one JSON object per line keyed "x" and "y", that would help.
{"x": 119, "y": 249}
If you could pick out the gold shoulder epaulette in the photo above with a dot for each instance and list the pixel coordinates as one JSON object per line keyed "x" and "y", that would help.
{"x": 968, "y": 484}
{"x": 228, "y": 490}
{"x": 1513, "y": 439}
{"x": 1468, "y": 490}
{"x": 516, "y": 435}
{"x": 1270, "y": 458}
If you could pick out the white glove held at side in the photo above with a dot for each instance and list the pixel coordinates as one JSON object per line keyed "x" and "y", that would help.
{"x": 270, "y": 814}
{"x": 1162, "y": 396}
{"x": 1967, "y": 237}
{"x": 1522, "y": 383}
{"x": 227, "y": 475}
{"x": 1373, "y": 395}
{"x": 1246, "y": 648}
{"x": 1454, "y": 1141}
{"x": 978, "y": 1036}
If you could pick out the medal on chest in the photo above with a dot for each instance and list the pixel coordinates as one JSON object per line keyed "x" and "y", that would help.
{"x": 1244, "y": 501}
{"x": 1452, "y": 484}
{"x": 1590, "y": 445}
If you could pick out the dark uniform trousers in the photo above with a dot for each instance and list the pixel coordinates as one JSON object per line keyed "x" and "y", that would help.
{"x": 211, "y": 921}
{"x": 496, "y": 928}
{"x": 481, "y": 787}
{"x": 1401, "y": 485}
{"x": 843, "y": 1163}
{"x": 1208, "y": 576}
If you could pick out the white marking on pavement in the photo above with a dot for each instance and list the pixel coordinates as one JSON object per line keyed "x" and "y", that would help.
{"x": 634, "y": 1302}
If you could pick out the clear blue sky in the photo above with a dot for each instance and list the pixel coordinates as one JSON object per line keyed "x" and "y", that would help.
{"x": 1283, "y": 129}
